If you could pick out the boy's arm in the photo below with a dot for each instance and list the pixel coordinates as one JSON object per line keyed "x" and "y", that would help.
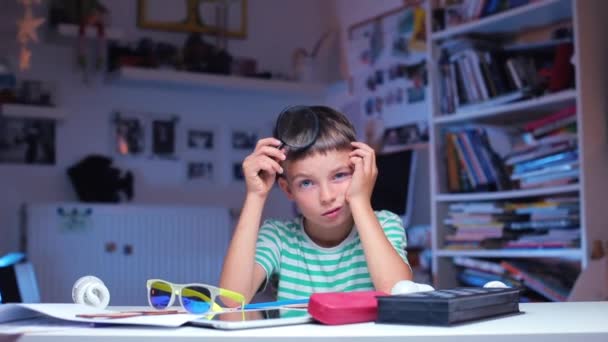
{"x": 385, "y": 265}
{"x": 240, "y": 272}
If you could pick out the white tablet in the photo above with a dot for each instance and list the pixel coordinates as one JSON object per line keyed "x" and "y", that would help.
{"x": 254, "y": 319}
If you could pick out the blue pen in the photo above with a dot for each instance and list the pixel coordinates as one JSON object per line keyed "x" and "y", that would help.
{"x": 275, "y": 304}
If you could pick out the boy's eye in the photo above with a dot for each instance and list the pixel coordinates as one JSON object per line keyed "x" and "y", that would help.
{"x": 341, "y": 175}
{"x": 305, "y": 183}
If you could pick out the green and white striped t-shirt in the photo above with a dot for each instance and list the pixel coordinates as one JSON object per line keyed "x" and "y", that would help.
{"x": 303, "y": 267}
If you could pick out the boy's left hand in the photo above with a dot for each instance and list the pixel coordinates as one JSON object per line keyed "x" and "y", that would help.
{"x": 365, "y": 172}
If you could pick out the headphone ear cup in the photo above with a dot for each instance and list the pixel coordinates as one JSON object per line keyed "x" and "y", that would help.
{"x": 90, "y": 290}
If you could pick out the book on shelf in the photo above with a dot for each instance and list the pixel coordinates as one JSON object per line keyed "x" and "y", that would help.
{"x": 472, "y": 163}
{"x": 478, "y": 72}
{"x": 539, "y": 153}
{"x": 536, "y": 223}
{"x": 553, "y": 280}
{"x": 458, "y": 12}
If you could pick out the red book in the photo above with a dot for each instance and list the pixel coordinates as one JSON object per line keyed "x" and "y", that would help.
{"x": 566, "y": 112}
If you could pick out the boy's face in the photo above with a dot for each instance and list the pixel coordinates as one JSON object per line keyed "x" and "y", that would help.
{"x": 318, "y": 184}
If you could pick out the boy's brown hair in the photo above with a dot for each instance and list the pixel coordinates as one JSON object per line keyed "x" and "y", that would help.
{"x": 336, "y": 132}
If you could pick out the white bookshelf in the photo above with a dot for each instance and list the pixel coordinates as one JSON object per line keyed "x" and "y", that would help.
{"x": 135, "y": 75}
{"x": 591, "y": 100}
{"x": 30, "y": 111}
{"x": 502, "y": 195}
{"x": 514, "y": 110}
{"x": 536, "y": 13}
{"x": 516, "y": 253}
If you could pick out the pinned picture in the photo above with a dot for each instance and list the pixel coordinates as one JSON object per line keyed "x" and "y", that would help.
{"x": 244, "y": 139}
{"x": 237, "y": 171}
{"x": 200, "y": 170}
{"x": 27, "y": 141}
{"x": 163, "y": 137}
{"x": 130, "y": 133}
{"x": 200, "y": 139}
{"x": 402, "y": 135}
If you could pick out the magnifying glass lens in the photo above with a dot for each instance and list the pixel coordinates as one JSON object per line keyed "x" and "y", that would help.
{"x": 297, "y": 127}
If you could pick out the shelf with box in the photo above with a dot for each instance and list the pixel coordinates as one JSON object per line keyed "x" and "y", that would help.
{"x": 138, "y": 75}
{"x": 515, "y": 164}
{"x": 31, "y": 111}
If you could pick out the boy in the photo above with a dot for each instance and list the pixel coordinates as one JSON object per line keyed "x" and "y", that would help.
{"x": 338, "y": 243}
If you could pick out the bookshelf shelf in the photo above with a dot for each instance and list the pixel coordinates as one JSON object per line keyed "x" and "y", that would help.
{"x": 512, "y": 111}
{"x": 502, "y": 195}
{"x": 468, "y": 147}
{"x": 30, "y": 111}
{"x": 515, "y": 253}
{"x": 183, "y": 78}
{"x": 536, "y": 13}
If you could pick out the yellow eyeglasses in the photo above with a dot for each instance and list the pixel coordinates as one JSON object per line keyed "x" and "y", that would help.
{"x": 194, "y": 298}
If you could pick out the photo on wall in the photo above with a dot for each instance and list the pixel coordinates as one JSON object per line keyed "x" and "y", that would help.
{"x": 200, "y": 170}
{"x": 27, "y": 141}
{"x": 130, "y": 133}
{"x": 200, "y": 139}
{"x": 237, "y": 172}
{"x": 163, "y": 137}
{"x": 244, "y": 139}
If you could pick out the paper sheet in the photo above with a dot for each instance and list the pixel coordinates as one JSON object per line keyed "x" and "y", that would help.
{"x": 67, "y": 312}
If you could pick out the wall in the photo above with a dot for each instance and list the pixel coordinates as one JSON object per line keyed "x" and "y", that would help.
{"x": 275, "y": 27}
{"x": 347, "y": 13}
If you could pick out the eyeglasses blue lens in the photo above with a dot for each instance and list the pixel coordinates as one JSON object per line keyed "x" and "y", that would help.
{"x": 160, "y": 295}
{"x": 196, "y": 299}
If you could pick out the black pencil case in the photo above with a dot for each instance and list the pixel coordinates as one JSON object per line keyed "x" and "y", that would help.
{"x": 447, "y": 307}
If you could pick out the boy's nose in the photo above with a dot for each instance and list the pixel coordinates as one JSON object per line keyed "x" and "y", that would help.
{"x": 327, "y": 195}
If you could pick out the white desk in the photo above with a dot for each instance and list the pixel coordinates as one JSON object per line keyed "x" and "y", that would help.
{"x": 555, "y": 322}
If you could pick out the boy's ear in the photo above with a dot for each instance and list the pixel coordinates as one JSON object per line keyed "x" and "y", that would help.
{"x": 285, "y": 187}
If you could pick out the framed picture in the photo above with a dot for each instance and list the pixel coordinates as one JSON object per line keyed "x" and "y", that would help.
{"x": 222, "y": 17}
{"x": 237, "y": 171}
{"x": 244, "y": 139}
{"x": 202, "y": 170}
{"x": 200, "y": 139}
{"x": 27, "y": 141}
{"x": 163, "y": 137}
{"x": 130, "y": 133}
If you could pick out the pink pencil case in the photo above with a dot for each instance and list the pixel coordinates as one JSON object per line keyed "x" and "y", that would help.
{"x": 334, "y": 308}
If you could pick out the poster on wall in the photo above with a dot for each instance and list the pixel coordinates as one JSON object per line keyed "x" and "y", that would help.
{"x": 387, "y": 63}
{"x": 27, "y": 141}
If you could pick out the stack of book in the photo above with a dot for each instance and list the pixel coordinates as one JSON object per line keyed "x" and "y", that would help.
{"x": 548, "y": 154}
{"x": 552, "y": 280}
{"x": 542, "y": 223}
{"x": 456, "y": 12}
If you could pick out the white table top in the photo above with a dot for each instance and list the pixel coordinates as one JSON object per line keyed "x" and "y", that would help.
{"x": 555, "y": 322}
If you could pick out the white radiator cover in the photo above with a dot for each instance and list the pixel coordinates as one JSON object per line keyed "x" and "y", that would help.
{"x": 179, "y": 244}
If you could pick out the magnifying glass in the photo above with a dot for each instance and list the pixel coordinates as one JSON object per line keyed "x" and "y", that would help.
{"x": 297, "y": 127}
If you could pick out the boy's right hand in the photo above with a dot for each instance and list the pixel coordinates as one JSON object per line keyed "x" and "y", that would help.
{"x": 261, "y": 167}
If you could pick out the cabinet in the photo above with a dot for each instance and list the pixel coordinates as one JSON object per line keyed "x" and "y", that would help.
{"x": 123, "y": 245}
{"x": 587, "y": 96}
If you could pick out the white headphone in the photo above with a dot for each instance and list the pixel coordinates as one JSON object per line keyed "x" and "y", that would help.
{"x": 90, "y": 290}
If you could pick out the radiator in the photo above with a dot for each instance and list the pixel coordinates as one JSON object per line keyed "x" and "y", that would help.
{"x": 123, "y": 245}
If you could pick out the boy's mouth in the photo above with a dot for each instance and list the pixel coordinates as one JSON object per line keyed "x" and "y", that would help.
{"x": 332, "y": 212}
